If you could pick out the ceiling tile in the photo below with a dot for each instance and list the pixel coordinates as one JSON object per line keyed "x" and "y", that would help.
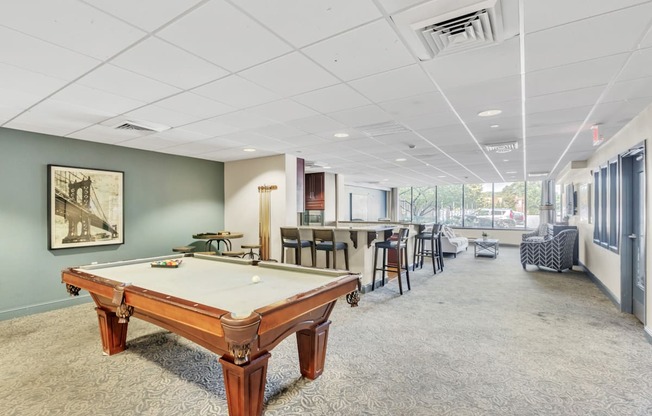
{"x": 317, "y": 124}
{"x": 105, "y": 134}
{"x": 56, "y": 117}
{"x": 566, "y": 99}
{"x": 194, "y": 104}
{"x": 330, "y": 99}
{"x": 159, "y": 115}
{"x": 628, "y": 90}
{"x": 222, "y": 34}
{"x": 282, "y": 111}
{"x": 599, "y": 36}
{"x": 108, "y": 103}
{"x": 392, "y": 85}
{"x": 146, "y": 14}
{"x": 394, "y": 5}
{"x": 72, "y": 25}
{"x": 418, "y": 105}
{"x": 279, "y": 131}
{"x": 289, "y": 75}
{"x": 364, "y": 51}
{"x": 303, "y": 22}
{"x": 243, "y": 120}
{"x": 638, "y": 65}
{"x": 361, "y": 116}
{"x": 237, "y": 92}
{"x": 32, "y": 54}
{"x": 210, "y": 128}
{"x": 543, "y": 15}
{"x": 121, "y": 82}
{"x": 594, "y": 72}
{"x": 159, "y": 60}
{"x": 497, "y": 61}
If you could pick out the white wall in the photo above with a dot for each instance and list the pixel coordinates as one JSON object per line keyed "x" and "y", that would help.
{"x": 241, "y": 182}
{"x": 604, "y": 264}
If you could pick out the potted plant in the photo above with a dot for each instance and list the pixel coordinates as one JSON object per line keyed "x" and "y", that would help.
{"x": 484, "y": 235}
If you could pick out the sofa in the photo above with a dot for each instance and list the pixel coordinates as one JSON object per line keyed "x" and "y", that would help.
{"x": 452, "y": 243}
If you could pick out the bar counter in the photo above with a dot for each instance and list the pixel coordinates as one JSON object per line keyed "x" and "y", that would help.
{"x": 360, "y": 237}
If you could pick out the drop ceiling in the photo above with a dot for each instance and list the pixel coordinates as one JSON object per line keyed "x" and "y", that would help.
{"x": 285, "y": 76}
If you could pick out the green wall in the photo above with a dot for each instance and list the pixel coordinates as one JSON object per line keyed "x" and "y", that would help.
{"x": 167, "y": 198}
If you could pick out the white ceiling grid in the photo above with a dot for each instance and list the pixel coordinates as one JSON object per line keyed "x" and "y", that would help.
{"x": 285, "y": 76}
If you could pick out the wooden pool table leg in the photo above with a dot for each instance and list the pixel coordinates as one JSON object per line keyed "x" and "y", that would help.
{"x": 114, "y": 334}
{"x": 245, "y": 385}
{"x": 312, "y": 350}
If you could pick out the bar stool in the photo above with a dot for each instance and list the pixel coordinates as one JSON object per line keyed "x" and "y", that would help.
{"x": 428, "y": 244}
{"x": 324, "y": 240}
{"x": 251, "y": 253}
{"x": 290, "y": 238}
{"x": 398, "y": 244}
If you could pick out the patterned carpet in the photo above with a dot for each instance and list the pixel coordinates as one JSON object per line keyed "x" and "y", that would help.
{"x": 482, "y": 338}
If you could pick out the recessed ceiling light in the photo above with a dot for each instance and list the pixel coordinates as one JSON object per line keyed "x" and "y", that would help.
{"x": 489, "y": 113}
{"x": 505, "y": 160}
{"x": 511, "y": 172}
{"x": 401, "y": 159}
{"x": 340, "y": 135}
{"x": 441, "y": 176}
{"x": 495, "y": 126}
{"x": 249, "y": 149}
{"x": 385, "y": 180}
{"x": 536, "y": 174}
{"x": 326, "y": 167}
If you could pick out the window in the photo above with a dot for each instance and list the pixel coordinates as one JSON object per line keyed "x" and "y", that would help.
{"x": 605, "y": 204}
{"x": 509, "y": 204}
{"x": 449, "y": 205}
{"x": 477, "y": 205}
{"x": 405, "y": 204}
{"x": 533, "y": 205}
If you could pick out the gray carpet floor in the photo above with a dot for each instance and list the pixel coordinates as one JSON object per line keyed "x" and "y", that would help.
{"x": 482, "y": 338}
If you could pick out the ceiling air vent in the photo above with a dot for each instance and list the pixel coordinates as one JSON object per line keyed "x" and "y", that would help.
{"x": 467, "y": 31}
{"x": 141, "y": 126}
{"x": 382, "y": 129}
{"x": 442, "y": 27}
{"x": 501, "y": 147}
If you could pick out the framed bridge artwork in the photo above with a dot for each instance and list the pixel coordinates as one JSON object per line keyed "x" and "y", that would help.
{"x": 85, "y": 207}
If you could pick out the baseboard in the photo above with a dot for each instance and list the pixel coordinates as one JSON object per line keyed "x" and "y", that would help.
{"x": 648, "y": 334}
{"x": 43, "y": 307}
{"x": 608, "y": 293}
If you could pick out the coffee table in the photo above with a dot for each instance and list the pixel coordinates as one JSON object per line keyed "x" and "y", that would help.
{"x": 486, "y": 247}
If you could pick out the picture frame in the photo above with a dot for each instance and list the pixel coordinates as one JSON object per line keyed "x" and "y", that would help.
{"x": 85, "y": 207}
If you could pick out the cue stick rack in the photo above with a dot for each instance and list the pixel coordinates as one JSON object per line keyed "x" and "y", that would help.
{"x": 265, "y": 219}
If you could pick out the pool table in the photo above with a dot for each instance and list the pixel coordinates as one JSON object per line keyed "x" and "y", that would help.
{"x": 219, "y": 304}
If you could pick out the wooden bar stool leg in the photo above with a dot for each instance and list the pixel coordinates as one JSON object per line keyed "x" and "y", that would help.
{"x": 346, "y": 258}
{"x": 407, "y": 269}
{"x": 373, "y": 274}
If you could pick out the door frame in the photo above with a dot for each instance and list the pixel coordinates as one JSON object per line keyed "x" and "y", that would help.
{"x": 627, "y": 192}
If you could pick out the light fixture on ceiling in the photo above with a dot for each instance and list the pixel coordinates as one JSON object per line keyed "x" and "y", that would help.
{"x": 495, "y": 126}
{"x": 511, "y": 172}
{"x": 248, "y": 149}
{"x": 341, "y": 135}
{"x": 441, "y": 176}
{"x": 537, "y": 174}
{"x": 325, "y": 167}
{"x": 505, "y": 147}
{"x": 505, "y": 160}
{"x": 489, "y": 113}
{"x": 401, "y": 159}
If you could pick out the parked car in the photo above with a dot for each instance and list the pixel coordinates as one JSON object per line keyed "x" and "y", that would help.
{"x": 501, "y": 218}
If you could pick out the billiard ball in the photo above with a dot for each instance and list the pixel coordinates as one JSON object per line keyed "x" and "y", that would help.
{"x": 255, "y": 279}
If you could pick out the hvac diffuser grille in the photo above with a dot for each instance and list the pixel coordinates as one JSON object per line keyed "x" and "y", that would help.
{"x": 131, "y": 126}
{"x": 462, "y": 32}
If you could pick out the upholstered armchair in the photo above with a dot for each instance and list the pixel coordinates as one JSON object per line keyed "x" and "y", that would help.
{"x": 451, "y": 242}
{"x": 554, "y": 253}
{"x": 542, "y": 232}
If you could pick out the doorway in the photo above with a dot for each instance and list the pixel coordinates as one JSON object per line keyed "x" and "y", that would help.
{"x": 633, "y": 233}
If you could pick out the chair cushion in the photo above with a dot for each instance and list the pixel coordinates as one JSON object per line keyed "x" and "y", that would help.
{"x": 293, "y": 243}
{"x": 328, "y": 245}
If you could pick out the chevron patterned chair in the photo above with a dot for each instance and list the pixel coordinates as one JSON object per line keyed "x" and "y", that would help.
{"x": 553, "y": 253}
